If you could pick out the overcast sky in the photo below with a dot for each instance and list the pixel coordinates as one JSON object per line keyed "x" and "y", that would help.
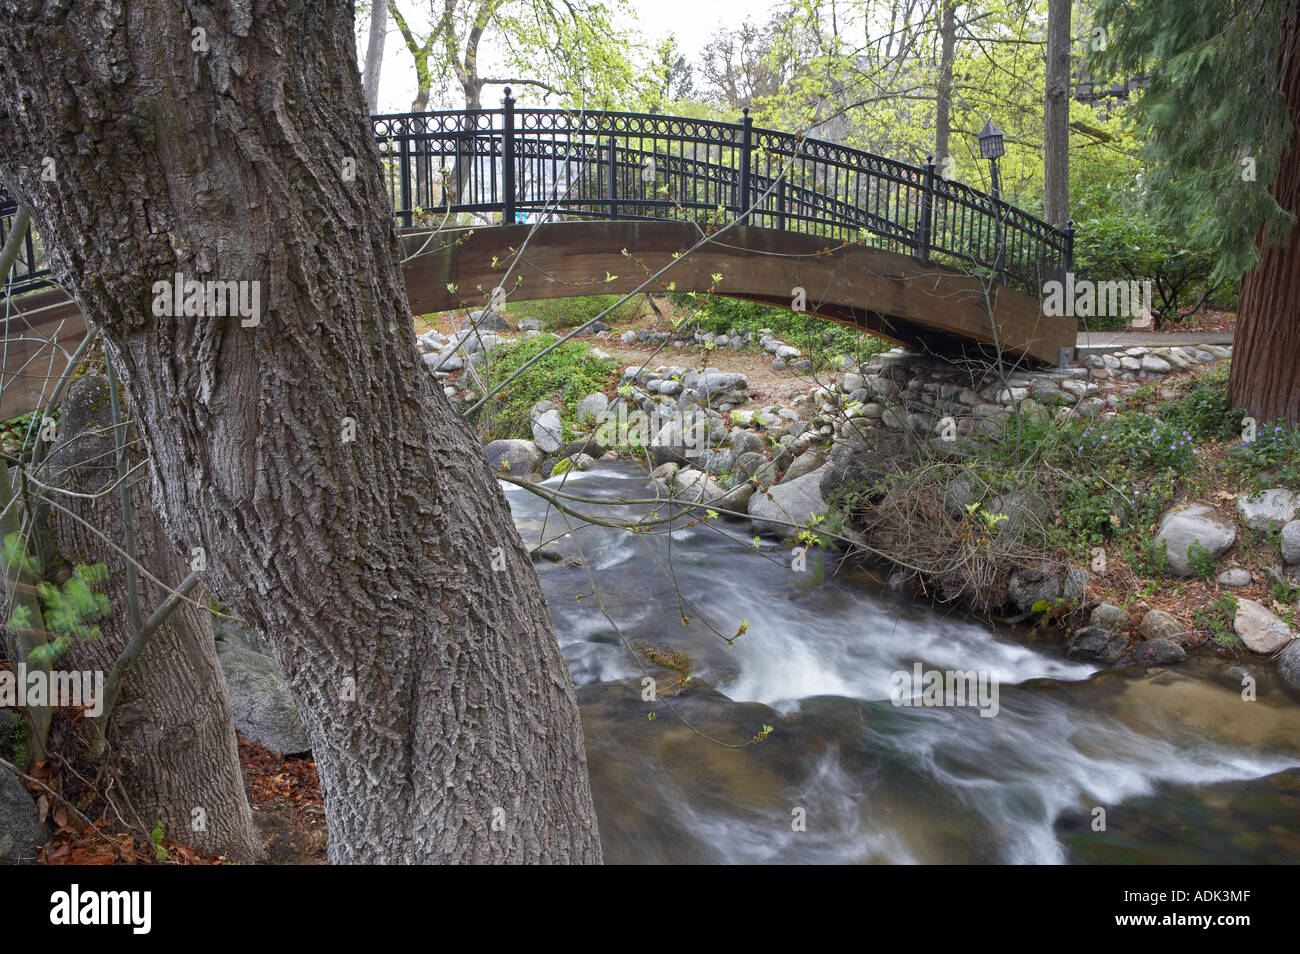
{"x": 692, "y": 21}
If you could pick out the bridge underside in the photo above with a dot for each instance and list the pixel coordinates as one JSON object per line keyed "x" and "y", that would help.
{"x": 927, "y": 307}
{"x": 924, "y": 306}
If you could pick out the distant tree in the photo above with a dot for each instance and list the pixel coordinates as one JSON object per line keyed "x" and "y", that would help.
{"x": 1056, "y": 115}
{"x": 672, "y": 77}
{"x": 375, "y": 53}
{"x": 943, "y": 91}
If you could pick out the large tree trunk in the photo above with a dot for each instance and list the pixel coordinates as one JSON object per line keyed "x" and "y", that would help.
{"x": 1266, "y": 354}
{"x": 171, "y": 733}
{"x": 1056, "y": 116}
{"x": 943, "y": 91}
{"x": 375, "y": 53}
{"x": 441, "y": 713}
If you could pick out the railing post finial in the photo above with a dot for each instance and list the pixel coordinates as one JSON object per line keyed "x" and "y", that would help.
{"x": 744, "y": 184}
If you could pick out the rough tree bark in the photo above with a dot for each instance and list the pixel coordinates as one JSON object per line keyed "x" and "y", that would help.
{"x": 1266, "y": 355}
{"x": 171, "y": 734}
{"x": 346, "y": 510}
{"x": 1056, "y": 115}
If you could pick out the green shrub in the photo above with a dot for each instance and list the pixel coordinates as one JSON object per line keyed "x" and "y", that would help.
{"x": 1216, "y": 620}
{"x": 818, "y": 338}
{"x": 1126, "y": 245}
{"x": 1272, "y": 458}
{"x": 572, "y": 312}
{"x": 565, "y": 376}
{"x": 1204, "y": 407}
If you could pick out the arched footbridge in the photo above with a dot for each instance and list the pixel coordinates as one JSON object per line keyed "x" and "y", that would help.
{"x": 544, "y": 203}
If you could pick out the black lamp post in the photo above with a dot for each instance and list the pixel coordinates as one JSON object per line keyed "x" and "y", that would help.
{"x": 991, "y": 147}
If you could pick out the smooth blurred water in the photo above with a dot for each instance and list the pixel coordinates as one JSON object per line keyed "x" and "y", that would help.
{"x": 876, "y": 782}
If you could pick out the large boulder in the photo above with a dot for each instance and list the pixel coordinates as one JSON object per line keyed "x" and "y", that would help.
{"x": 1268, "y": 509}
{"x": 519, "y": 457}
{"x": 1180, "y": 530}
{"x": 714, "y": 387}
{"x": 795, "y": 501}
{"x": 263, "y": 708}
{"x": 548, "y": 431}
{"x": 1260, "y": 630}
{"x": 21, "y": 831}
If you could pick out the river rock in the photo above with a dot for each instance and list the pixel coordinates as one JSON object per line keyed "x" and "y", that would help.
{"x": 1288, "y": 664}
{"x": 1234, "y": 577}
{"x": 1158, "y": 625}
{"x": 1260, "y": 630}
{"x": 21, "y": 831}
{"x": 795, "y": 501}
{"x": 694, "y": 485}
{"x": 1095, "y": 643}
{"x": 519, "y": 457}
{"x": 548, "y": 431}
{"x": 1291, "y": 542}
{"x": 712, "y": 462}
{"x": 592, "y": 407}
{"x": 584, "y": 445}
{"x": 1158, "y": 652}
{"x": 743, "y": 442}
{"x": 676, "y": 441}
{"x": 714, "y": 387}
{"x": 1109, "y": 617}
{"x": 1180, "y": 529}
{"x": 755, "y": 468}
{"x": 445, "y": 360}
{"x": 1026, "y": 514}
{"x": 804, "y": 464}
{"x": 1032, "y": 584}
{"x": 260, "y": 700}
{"x": 1268, "y": 509}
{"x": 488, "y": 321}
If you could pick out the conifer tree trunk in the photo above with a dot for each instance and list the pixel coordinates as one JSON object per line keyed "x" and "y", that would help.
{"x": 1266, "y": 353}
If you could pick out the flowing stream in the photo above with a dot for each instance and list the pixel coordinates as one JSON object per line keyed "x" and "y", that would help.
{"x": 1184, "y": 769}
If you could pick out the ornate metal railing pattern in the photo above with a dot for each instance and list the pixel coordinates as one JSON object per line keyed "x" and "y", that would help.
{"x": 511, "y": 165}
{"x": 515, "y": 165}
{"x": 30, "y": 270}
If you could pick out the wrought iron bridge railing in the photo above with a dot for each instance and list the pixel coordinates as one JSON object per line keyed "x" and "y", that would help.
{"x": 529, "y": 165}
